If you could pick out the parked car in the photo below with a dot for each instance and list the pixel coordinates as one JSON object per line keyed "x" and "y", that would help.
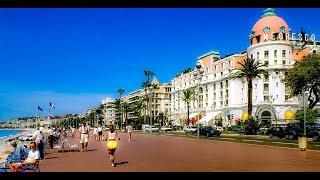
{"x": 151, "y": 129}
{"x": 209, "y": 131}
{"x": 276, "y": 132}
{"x": 315, "y": 130}
{"x": 190, "y": 129}
{"x": 166, "y": 129}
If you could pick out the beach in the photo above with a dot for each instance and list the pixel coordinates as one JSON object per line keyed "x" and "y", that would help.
{"x": 5, "y": 146}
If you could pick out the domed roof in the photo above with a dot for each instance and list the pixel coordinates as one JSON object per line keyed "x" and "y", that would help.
{"x": 269, "y": 23}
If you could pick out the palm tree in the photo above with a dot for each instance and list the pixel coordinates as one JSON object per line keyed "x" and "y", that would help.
{"x": 118, "y": 108}
{"x": 121, "y": 92}
{"x": 187, "y": 96}
{"x": 249, "y": 69}
{"x": 126, "y": 109}
{"x": 137, "y": 106}
{"x": 146, "y": 86}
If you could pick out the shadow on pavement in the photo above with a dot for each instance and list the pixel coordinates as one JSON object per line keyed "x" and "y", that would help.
{"x": 92, "y": 149}
{"x": 51, "y": 158}
{"x": 120, "y": 163}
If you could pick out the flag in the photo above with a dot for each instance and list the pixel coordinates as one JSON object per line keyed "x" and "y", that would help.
{"x": 52, "y": 106}
{"x": 39, "y": 108}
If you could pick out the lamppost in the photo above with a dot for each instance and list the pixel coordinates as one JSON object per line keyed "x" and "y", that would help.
{"x": 198, "y": 73}
{"x": 160, "y": 119}
{"x": 150, "y": 111}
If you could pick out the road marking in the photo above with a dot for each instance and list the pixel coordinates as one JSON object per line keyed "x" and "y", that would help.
{"x": 228, "y": 138}
{"x": 284, "y": 143}
{"x": 251, "y": 140}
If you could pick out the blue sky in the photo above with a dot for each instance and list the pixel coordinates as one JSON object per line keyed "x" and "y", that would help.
{"x": 77, "y": 57}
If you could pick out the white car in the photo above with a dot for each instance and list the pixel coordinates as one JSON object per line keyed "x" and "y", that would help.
{"x": 190, "y": 129}
{"x": 166, "y": 129}
{"x": 151, "y": 129}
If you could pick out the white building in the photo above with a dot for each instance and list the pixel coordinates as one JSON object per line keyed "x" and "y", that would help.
{"x": 110, "y": 111}
{"x": 226, "y": 99}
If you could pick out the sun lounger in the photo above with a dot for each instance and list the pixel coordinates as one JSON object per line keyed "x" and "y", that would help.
{"x": 61, "y": 147}
{"x": 73, "y": 147}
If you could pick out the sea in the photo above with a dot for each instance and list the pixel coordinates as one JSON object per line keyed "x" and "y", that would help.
{"x": 8, "y": 132}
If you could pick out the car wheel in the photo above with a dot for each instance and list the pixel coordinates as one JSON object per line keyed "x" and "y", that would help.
{"x": 291, "y": 137}
{"x": 315, "y": 138}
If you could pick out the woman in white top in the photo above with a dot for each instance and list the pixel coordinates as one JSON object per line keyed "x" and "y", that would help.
{"x": 99, "y": 129}
{"x": 84, "y": 136}
{"x": 112, "y": 143}
{"x": 95, "y": 132}
{"x": 129, "y": 130}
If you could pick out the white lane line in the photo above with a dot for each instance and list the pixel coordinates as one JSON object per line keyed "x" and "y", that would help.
{"x": 284, "y": 143}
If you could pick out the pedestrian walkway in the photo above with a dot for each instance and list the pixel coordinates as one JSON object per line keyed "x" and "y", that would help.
{"x": 151, "y": 153}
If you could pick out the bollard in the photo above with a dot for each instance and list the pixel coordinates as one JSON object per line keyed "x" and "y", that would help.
{"x": 302, "y": 143}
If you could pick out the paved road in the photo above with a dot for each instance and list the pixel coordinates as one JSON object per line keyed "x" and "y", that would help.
{"x": 150, "y": 153}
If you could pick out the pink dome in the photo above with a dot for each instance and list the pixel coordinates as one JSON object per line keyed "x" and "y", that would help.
{"x": 268, "y": 23}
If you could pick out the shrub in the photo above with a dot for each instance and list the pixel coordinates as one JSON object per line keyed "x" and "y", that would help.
{"x": 251, "y": 126}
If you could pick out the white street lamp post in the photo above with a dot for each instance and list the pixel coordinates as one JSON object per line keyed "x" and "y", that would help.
{"x": 198, "y": 75}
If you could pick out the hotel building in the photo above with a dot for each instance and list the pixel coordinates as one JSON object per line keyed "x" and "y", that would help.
{"x": 271, "y": 42}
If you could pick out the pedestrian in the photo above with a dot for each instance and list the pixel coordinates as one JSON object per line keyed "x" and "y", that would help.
{"x": 72, "y": 131}
{"x": 99, "y": 130}
{"x": 38, "y": 139}
{"x": 84, "y": 136}
{"x": 112, "y": 144}
{"x": 50, "y": 138}
{"x": 95, "y": 132}
{"x": 129, "y": 131}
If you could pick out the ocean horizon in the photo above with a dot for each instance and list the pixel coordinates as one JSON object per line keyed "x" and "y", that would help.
{"x": 5, "y": 132}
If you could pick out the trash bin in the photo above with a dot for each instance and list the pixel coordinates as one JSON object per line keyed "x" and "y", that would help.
{"x": 302, "y": 143}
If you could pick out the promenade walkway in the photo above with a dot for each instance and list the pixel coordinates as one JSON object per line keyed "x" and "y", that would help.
{"x": 148, "y": 153}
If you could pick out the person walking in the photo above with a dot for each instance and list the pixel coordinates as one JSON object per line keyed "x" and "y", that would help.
{"x": 129, "y": 131}
{"x": 95, "y": 132}
{"x": 50, "y": 138}
{"x": 99, "y": 130}
{"x": 84, "y": 136}
{"x": 112, "y": 144}
{"x": 38, "y": 138}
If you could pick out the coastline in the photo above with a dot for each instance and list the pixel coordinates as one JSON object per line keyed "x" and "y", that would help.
{"x": 4, "y": 141}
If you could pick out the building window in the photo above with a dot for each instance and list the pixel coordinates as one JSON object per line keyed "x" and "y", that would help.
{"x": 266, "y": 54}
{"x": 258, "y": 55}
{"x": 221, "y": 85}
{"x": 227, "y": 102}
{"x": 221, "y": 103}
{"x": 266, "y": 88}
{"x": 286, "y": 97}
{"x": 214, "y": 75}
{"x": 221, "y": 73}
{"x": 221, "y": 94}
{"x": 255, "y": 86}
{"x": 283, "y": 53}
{"x": 275, "y": 53}
{"x": 214, "y": 95}
{"x": 283, "y": 62}
{"x": 275, "y": 62}
{"x": 214, "y": 86}
{"x": 214, "y": 104}
{"x": 266, "y": 98}
{"x": 251, "y": 56}
{"x": 266, "y": 63}
{"x": 277, "y": 84}
{"x": 266, "y": 78}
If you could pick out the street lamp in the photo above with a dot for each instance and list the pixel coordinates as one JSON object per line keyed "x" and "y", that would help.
{"x": 198, "y": 73}
{"x": 160, "y": 119}
{"x": 150, "y": 104}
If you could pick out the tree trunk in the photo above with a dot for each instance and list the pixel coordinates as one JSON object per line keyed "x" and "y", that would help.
{"x": 188, "y": 113}
{"x": 249, "y": 97}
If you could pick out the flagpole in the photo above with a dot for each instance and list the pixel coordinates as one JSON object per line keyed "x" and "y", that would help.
{"x": 35, "y": 126}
